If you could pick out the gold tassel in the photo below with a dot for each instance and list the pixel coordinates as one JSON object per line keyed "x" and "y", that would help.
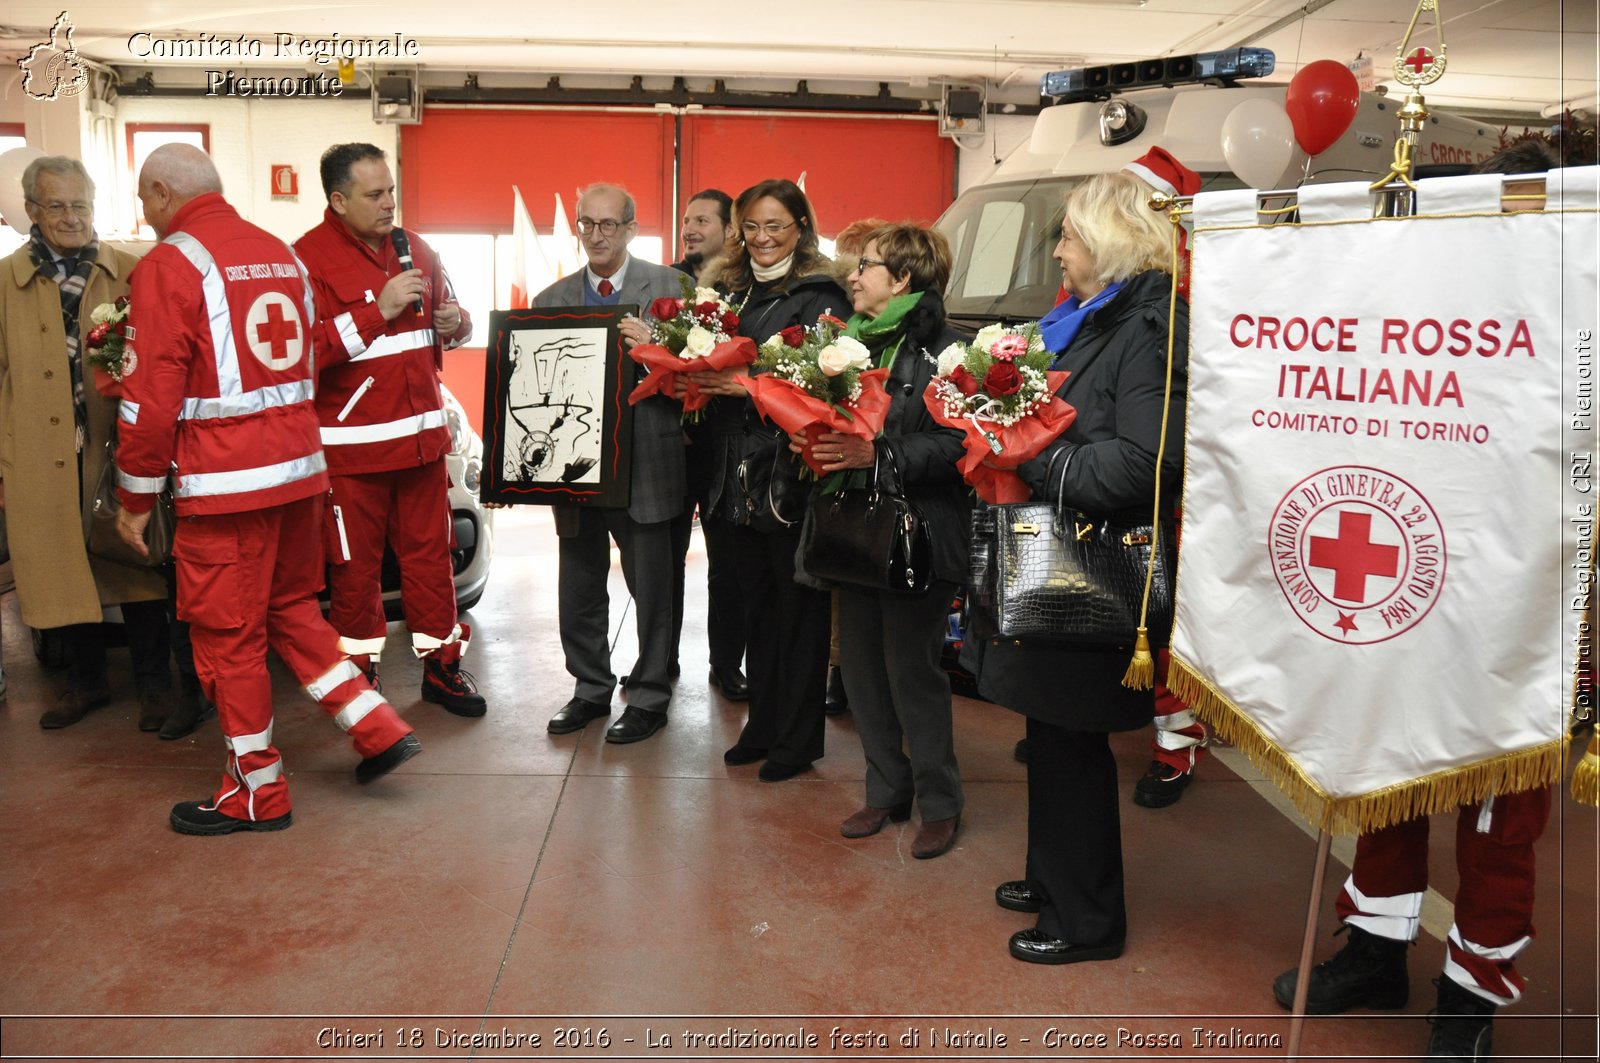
{"x": 1586, "y": 776}
{"x": 1141, "y": 673}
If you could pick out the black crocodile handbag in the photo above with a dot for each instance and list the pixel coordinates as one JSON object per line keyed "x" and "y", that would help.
{"x": 1040, "y": 573}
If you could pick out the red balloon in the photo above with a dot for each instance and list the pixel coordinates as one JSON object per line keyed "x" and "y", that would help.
{"x": 1322, "y": 101}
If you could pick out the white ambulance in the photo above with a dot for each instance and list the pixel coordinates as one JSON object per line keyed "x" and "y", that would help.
{"x": 1003, "y": 230}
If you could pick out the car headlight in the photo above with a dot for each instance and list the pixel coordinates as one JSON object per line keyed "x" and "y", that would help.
{"x": 470, "y": 475}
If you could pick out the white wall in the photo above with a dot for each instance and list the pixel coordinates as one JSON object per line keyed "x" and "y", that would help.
{"x": 249, "y": 136}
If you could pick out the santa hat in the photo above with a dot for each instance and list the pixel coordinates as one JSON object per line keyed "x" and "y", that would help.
{"x": 1158, "y": 169}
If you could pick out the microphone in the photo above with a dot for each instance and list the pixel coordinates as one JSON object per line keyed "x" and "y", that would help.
{"x": 402, "y": 248}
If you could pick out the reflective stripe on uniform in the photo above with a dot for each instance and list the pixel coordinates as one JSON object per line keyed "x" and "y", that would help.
{"x": 345, "y": 435}
{"x": 140, "y": 485}
{"x": 243, "y": 481}
{"x": 356, "y": 711}
{"x": 384, "y": 346}
{"x": 243, "y": 744}
{"x": 261, "y": 777}
{"x": 250, "y": 402}
{"x": 221, "y": 317}
{"x": 330, "y": 680}
{"x": 128, "y": 412}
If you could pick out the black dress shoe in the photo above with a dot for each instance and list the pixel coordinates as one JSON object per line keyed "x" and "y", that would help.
{"x": 635, "y": 726}
{"x": 1015, "y": 896}
{"x": 1160, "y": 786}
{"x": 193, "y": 817}
{"x": 1035, "y": 946}
{"x": 732, "y": 683}
{"x": 742, "y": 754}
{"x": 777, "y": 770}
{"x": 834, "y": 702}
{"x": 575, "y": 715}
{"x": 390, "y": 759}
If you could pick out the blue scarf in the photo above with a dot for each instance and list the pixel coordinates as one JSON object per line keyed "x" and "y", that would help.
{"x": 1060, "y": 326}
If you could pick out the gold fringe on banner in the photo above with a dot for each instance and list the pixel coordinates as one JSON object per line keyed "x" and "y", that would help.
{"x": 1524, "y": 769}
{"x": 1586, "y": 776}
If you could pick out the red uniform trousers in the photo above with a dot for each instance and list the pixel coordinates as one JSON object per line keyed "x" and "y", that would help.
{"x": 409, "y": 509}
{"x": 1494, "y": 904}
{"x": 246, "y": 582}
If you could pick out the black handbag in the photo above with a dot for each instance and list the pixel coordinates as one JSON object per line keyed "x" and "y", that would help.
{"x": 769, "y": 495}
{"x": 871, "y": 538}
{"x": 104, "y": 542}
{"x": 1044, "y": 573}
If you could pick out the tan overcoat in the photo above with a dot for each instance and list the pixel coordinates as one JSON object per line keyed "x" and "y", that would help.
{"x": 46, "y": 502}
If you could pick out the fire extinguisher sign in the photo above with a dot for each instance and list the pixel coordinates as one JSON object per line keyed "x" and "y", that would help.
{"x": 285, "y": 182}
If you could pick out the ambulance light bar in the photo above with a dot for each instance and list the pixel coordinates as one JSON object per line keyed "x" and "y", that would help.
{"x": 1100, "y": 82}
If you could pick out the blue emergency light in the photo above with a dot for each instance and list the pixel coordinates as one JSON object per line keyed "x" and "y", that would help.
{"x": 1101, "y": 82}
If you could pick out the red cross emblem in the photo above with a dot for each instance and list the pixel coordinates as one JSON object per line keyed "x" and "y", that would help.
{"x": 1419, "y": 60}
{"x": 1353, "y": 556}
{"x": 272, "y": 329}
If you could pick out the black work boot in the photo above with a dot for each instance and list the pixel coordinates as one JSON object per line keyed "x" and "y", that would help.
{"x": 1463, "y": 1024}
{"x": 1369, "y": 972}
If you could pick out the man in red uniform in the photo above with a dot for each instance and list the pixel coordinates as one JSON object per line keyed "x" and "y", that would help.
{"x": 386, "y": 310}
{"x": 218, "y": 381}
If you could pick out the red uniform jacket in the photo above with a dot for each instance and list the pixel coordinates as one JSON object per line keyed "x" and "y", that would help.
{"x": 378, "y": 381}
{"x": 219, "y": 373}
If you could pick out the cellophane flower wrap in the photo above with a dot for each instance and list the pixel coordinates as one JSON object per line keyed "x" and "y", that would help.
{"x": 691, "y": 334}
{"x": 816, "y": 380}
{"x": 1000, "y": 392}
{"x": 106, "y": 345}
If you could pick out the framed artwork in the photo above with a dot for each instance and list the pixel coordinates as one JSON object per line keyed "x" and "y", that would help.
{"x": 557, "y": 424}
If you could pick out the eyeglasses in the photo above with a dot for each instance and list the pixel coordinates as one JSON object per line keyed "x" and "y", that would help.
{"x": 772, "y": 228}
{"x": 607, "y": 226}
{"x": 56, "y": 210}
{"x": 867, "y": 263}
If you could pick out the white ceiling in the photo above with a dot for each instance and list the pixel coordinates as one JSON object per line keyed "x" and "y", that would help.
{"x": 1504, "y": 55}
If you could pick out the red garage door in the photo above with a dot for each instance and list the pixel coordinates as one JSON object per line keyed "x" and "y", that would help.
{"x": 894, "y": 168}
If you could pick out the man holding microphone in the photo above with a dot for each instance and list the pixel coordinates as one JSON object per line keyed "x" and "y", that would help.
{"x": 386, "y": 313}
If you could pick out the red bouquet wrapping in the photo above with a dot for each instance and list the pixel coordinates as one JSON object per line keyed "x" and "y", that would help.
{"x": 990, "y": 471}
{"x": 665, "y": 367}
{"x": 794, "y": 409}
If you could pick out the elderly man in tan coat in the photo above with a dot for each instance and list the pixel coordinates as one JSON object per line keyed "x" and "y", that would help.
{"x": 54, "y": 426}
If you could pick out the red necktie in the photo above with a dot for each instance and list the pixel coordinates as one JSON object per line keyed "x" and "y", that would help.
{"x": 605, "y": 288}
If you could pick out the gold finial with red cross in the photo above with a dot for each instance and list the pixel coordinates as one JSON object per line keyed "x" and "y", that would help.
{"x": 1421, "y": 65}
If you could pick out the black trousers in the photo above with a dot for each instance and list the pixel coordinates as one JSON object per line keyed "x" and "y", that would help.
{"x": 787, "y": 656}
{"x": 149, "y": 645}
{"x": 1075, "y": 834}
{"x": 724, "y": 609}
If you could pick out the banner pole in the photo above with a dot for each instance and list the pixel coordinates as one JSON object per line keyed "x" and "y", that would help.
{"x": 1302, "y": 983}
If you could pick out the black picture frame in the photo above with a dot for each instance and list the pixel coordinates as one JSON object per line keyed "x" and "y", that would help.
{"x": 557, "y": 425}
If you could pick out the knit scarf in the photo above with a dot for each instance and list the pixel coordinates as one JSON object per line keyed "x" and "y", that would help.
{"x": 72, "y": 275}
{"x": 768, "y": 274}
{"x": 1060, "y": 326}
{"x": 885, "y": 333}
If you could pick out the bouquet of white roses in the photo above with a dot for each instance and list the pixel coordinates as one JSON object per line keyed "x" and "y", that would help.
{"x": 999, "y": 391}
{"x": 817, "y": 380}
{"x": 691, "y": 334}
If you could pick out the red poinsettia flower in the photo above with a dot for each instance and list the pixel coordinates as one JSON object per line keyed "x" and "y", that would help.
{"x": 1002, "y": 379}
{"x": 730, "y": 322}
{"x": 964, "y": 380}
{"x": 793, "y": 336}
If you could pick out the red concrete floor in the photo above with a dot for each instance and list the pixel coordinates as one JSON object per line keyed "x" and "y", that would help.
{"x": 508, "y": 885}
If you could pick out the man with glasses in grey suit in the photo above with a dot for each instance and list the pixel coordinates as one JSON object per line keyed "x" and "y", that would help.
{"x": 643, "y": 531}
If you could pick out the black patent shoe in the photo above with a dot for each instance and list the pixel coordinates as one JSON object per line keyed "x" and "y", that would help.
{"x": 390, "y": 759}
{"x": 731, "y": 682}
{"x": 742, "y": 754}
{"x": 575, "y": 715}
{"x": 1035, "y": 946}
{"x": 1015, "y": 896}
{"x": 193, "y": 817}
{"x": 635, "y": 726}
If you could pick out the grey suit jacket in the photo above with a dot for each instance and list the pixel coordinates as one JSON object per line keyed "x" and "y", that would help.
{"x": 657, "y": 487}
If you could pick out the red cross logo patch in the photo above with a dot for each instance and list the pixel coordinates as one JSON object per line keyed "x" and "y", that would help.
{"x": 274, "y": 331}
{"x": 1358, "y": 554}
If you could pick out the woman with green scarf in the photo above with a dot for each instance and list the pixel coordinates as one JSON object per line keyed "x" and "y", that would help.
{"x": 889, "y": 645}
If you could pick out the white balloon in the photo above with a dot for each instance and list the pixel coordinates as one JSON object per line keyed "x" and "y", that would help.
{"x": 13, "y": 204}
{"x": 1258, "y": 142}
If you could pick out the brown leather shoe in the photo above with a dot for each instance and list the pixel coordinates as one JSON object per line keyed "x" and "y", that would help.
{"x": 869, "y": 821}
{"x": 935, "y": 837}
{"x": 154, "y": 708}
{"x": 71, "y": 707}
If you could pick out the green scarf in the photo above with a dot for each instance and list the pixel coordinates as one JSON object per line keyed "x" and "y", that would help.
{"x": 884, "y": 333}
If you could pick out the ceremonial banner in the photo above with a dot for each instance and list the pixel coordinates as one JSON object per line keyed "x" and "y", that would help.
{"x": 1388, "y": 503}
